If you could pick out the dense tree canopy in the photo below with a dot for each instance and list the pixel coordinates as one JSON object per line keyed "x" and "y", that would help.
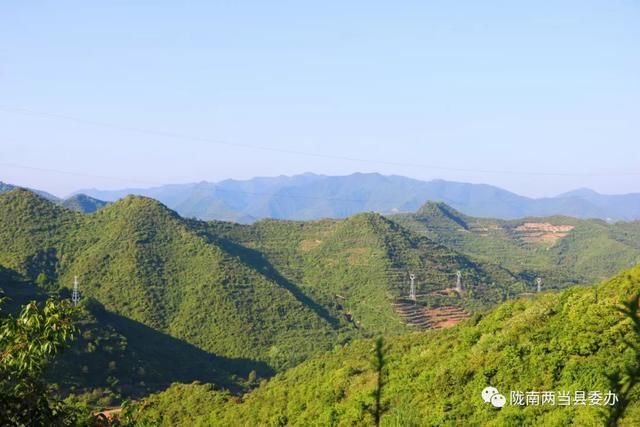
{"x": 559, "y": 342}
{"x": 28, "y": 343}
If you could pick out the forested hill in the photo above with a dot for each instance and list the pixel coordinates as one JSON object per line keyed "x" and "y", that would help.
{"x": 559, "y": 342}
{"x": 4, "y": 187}
{"x": 114, "y": 357}
{"x": 83, "y": 203}
{"x": 142, "y": 261}
{"x": 561, "y": 250}
{"x": 261, "y": 297}
{"x": 274, "y": 292}
{"x": 77, "y": 202}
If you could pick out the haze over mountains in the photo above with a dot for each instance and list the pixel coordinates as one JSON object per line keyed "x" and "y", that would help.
{"x": 311, "y": 196}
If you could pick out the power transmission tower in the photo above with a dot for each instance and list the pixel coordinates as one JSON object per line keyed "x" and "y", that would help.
{"x": 75, "y": 296}
{"x": 539, "y": 284}
{"x": 412, "y": 289}
{"x": 459, "y": 281}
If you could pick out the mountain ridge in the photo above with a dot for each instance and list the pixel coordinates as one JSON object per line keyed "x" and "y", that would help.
{"x": 310, "y": 196}
{"x": 559, "y": 248}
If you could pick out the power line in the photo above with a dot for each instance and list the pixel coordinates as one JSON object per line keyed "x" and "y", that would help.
{"x": 177, "y": 135}
{"x": 86, "y": 175}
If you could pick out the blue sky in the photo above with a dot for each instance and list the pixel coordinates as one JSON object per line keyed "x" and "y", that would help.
{"x": 474, "y": 88}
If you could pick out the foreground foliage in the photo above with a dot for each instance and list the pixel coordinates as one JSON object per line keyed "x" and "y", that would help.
{"x": 28, "y": 343}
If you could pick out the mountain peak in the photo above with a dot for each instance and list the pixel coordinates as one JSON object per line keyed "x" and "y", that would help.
{"x": 5, "y": 187}
{"x": 83, "y": 203}
{"x": 580, "y": 192}
{"x": 140, "y": 206}
{"x": 439, "y": 211}
{"x": 21, "y": 193}
{"x": 21, "y": 204}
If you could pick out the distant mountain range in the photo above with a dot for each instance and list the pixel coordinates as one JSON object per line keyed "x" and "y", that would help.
{"x": 311, "y": 196}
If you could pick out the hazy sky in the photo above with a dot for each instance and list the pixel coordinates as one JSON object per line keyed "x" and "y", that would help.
{"x": 475, "y": 88}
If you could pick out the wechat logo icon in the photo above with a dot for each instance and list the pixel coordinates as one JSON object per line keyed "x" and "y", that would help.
{"x": 493, "y": 396}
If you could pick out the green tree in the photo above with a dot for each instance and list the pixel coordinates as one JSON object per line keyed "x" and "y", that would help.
{"x": 625, "y": 382}
{"x": 28, "y": 343}
{"x": 378, "y": 363}
{"x": 42, "y": 280}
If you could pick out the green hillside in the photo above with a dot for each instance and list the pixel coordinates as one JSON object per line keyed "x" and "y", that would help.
{"x": 115, "y": 357}
{"x": 4, "y": 188}
{"x": 274, "y": 292}
{"x": 561, "y": 250}
{"x": 358, "y": 265}
{"x": 142, "y": 261}
{"x": 83, "y": 203}
{"x": 569, "y": 341}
